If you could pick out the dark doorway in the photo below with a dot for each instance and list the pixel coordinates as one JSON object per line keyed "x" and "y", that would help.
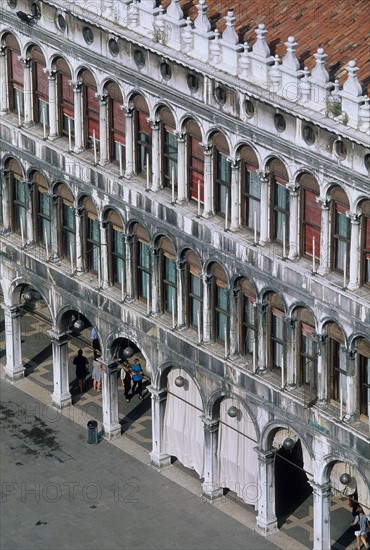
{"x": 291, "y": 485}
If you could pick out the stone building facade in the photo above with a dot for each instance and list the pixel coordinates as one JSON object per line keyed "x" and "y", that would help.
{"x": 209, "y": 203}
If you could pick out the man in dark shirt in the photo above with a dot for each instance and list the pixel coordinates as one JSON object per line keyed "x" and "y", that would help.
{"x": 82, "y": 365}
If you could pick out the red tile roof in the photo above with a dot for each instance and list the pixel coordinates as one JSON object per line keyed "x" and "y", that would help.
{"x": 341, "y": 27}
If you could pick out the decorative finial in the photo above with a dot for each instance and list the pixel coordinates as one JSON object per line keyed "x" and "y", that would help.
{"x": 260, "y": 47}
{"x": 215, "y": 48}
{"x": 290, "y": 59}
{"x": 202, "y": 22}
{"x": 174, "y": 10}
{"x": 275, "y": 73}
{"x": 229, "y": 35}
{"x": 319, "y": 72}
{"x": 352, "y": 85}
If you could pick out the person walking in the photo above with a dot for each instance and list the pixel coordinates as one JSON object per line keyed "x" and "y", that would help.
{"x": 82, "y": 368}
{"x": 97, "y": 371}
{"x": 95, "y": 344}
{"x": 361, "y": 533}
{"x": 137, "y": 377}
{"x": 126, "y": 379}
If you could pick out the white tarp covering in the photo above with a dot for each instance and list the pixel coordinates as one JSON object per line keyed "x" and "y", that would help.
{"x": 183, "y": 426}
{"x": 237, "y": 461}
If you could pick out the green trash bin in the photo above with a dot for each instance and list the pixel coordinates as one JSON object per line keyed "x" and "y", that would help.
{"x": 92, "y": 431}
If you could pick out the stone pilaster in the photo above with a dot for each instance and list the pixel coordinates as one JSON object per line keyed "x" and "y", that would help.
{"x": 14, "y": 369}
{"x": 181, "y": 168}
{"x": 264, "y": 214}
{"x": 155, "y": 282}
{"x": 181, "y": 298}
{"x": 354, "y": 263}
{"x": 130, "y": 163}
{"x": 207, "y": 283}
{"x": 27, "y": 92}
{"x": 235, "y": 194}
{"x": 293, "y": 221}
{"x": 208, "y": 182}
{"x": 129, "y": 243}
{"x": 158, "y": 457}
{"x": 78, "y": 122}
{"x": 112, "y": 427}
{"x": 325, "y": 238}
{"x": 79, "y": 213}
{"x": 266, "y": 518}
{"x": 210, "y": 486}
{"x": 4, "y": 107}
{"x": 61, "y": 396}
{"x": 53, "y": 108}
{"x": 104, "y": 254}
{"x": 321, "y": 515}
{"x": 4, "y": 174}
{"x": 156, "y": 157}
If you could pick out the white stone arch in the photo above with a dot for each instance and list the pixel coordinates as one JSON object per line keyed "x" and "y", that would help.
{"x": 184, "y": 119}
{"x": 14, "y": 33}
{"x": 30, "y": 44}
{"x": 240, "y": 143}
{"x": 15, "y": 289}
{"x": 325, "y": 470}
{"x": 321, "y": 327}
{"x": 207, "y": 266}
{"x": 163, "y": 103}
{"x": 7, "y": 157}
{"x": 357, "y": 203}
{"x": 84, "y": 67}
{"x": 59, "y": 55}
{"x": 218, "y": 130}
{"x": 109, "y": 208}
{"x": 270, "y": 290}
{"x": 276, "y": 156}
{"x": 127, "y": 333}
{"x": 107, "y": 80}
{"x": 302, "y": 305}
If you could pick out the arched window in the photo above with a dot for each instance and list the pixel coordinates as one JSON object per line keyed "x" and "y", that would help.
{"x": 169, "y": 148}
{"x": 306, "y": 351}
{"x": 143, "y": 263}
{"x": 363, "y": 350}
{"x": 222, "y": 179}
{"x": 195, "y": 162}
{"x": 92, "y": 248}
{"x": 65, "y": 98}
{"x": 91, "y": 109}
{"x": 341, "y": 230}
{"x": 310, "y": 216}
{"x": 250, "y": 189}
{"x": 40, "y": 85}
{"x": 275, "y": 331}
{"x": 194, "y": 290}
{"x": 365, "y": 255}
{"x": 279, "y": 202}
{"x": 116, "y": 249}
{"x": 143, "y": 133}
{"x": 18, "y": 197}
{"x": 42, "y": 210}
{"x": 117, "y": 125}
{"x": 248, "y": 318}
{"x": 336, "y": 363}
{"x": 15, "y": 75}
{"x": 67, "y": 223}
{"x": 221, "y": 303}
{"x": 168, "y": 276}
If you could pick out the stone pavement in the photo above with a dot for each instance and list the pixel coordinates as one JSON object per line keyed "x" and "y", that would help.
{"x": 135, "y": 418}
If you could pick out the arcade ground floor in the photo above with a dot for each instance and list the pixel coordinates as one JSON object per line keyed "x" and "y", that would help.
{"x": 295, "y": 520}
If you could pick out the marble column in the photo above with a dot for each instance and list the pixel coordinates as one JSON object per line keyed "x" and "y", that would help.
{"x": 4, "y": 174}
{"x": 354, "y": 263}
{"x": 30, "y": 232}
{"x": 181, "y": 298}
{"x": 14, "y": 369}
{"x": 207, "y": 313}
{"x": 325, "y": 238}
{"x": 266, "y": 518}
{"x": 290, "y": 363}
{"x": 111, "y": 425}
{"x": 54, "y": 200}
{"x": 211, "y": 489}
{"x": 78, "y": 121}
{"x": 235, "y": 195}
{"x": 158, "y": 458}
{"x": 264, "y": 209}
{"x": 53, "y": 128}
{"x": 322, "y": 361}
{"x": 156, "y": 157}
{"x": 104, "y": 254}
{"x": 79, "y": 212}
{"x": 262, "y": 337}
{"x": 182, "y": 195}
{"x": 350, "y": 388}
{"x": 27, "y": 92}
{"x": 61, "y": 396}
{"x": 129, "y": 243}
{"x": 293, "y": 252}
{"x": 129, "y": 148}
{"x": 155, "y": 280}
{"x": 103, "y": 128}
{"x": 321, "y": 515}
{"x": 208, "y": 182}
{"x": 4, "y": 84}
{"x": 234, "y": 324}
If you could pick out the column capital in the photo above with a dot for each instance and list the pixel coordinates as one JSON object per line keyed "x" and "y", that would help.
{"x": 267, "y": 457}
{"x": 154, "y": 123}
{"x": 157, "y": 394}
{"x": 206, "y": 278}
{"x": 50, "y": 73}
{"x": 324, "y": 201}
{"x": 109, "y": 367}
{"x": 26, "y": 61}
{"x": 323, "y": 489}
{"x": 76, "y": 85}
{"x": 128, "y": 110}
{"x": 103, "y": 98}
{"x": 12, "y": 310}
{"x": 59, "y": 338}
{"x": 234, "y": 163}
{"x": 129, "y": 238}
{"x": 80, "y": 210}
{"x": 155, "y": 250}
{"x": 180, "y": 265}
{"x": 354, "y": 217}
{"x": 293, "y": 188}
{"x": 181, "y": 136}
{"x": 3, "y": 50}
{"x": 207, "y": 148}
{"x": 211, "y": 424}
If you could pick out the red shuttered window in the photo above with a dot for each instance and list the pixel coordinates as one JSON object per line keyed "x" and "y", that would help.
{"x": 196, "y": 169}
{"x": 311, "y": 224}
